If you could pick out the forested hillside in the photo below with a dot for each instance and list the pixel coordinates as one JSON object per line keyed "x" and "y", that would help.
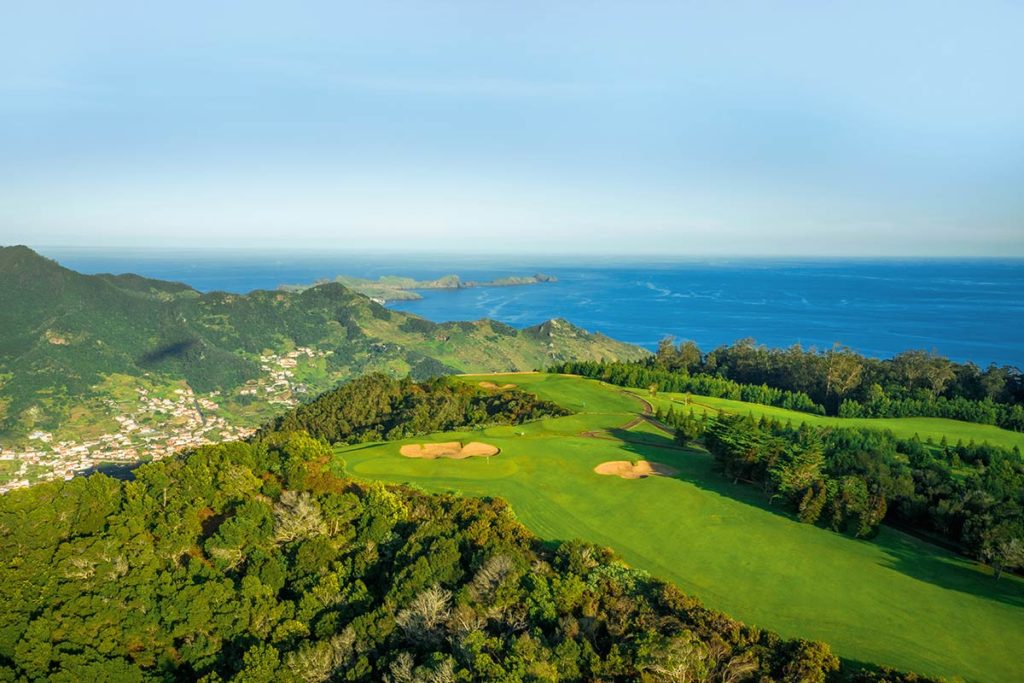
{"x": 377, "y": 407}
{"x": 263, "y": 562}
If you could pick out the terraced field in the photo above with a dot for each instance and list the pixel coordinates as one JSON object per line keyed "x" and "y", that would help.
{"x": 893, "y": 600}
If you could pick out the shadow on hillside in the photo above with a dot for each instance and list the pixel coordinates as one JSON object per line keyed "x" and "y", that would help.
{"x": 903, "y": 553}
{"x": 926, "y": 562}
{"x": 644, "y": 438}
{"x": 663, "y": 442}
{"x": 172, "y": 350}
{"x": 851, "y": 666}
{"x": 114, "y": 470}
{"x": 360, "y": 447}
{"x": 697, "y": 468}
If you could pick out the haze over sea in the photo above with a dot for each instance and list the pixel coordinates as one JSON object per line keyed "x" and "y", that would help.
{"x": 966, "y": 310}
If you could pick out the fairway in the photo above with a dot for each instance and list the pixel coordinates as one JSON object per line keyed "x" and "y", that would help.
{"x": 902, "y": 427}
{"x": 892, "y": 600}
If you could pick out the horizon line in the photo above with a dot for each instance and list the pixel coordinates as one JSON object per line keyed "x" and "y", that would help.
{"x": 492, "y": 254}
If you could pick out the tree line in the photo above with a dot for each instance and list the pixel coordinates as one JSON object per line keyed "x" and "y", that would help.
{"x": 970, "y": 496}
{"x": 837, "y": 381}
{"x": 985, "y": 411}
{"x": 376, "y": 407}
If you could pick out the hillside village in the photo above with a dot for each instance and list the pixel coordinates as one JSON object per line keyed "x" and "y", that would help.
{"x": 155, "y": 426}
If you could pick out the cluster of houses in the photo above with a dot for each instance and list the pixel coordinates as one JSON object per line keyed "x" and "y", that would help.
{"x": 157, "y": 427}
{"x": 280, "y": 382}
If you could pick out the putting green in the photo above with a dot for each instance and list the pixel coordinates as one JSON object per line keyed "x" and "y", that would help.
{"x": 893, "y": 600}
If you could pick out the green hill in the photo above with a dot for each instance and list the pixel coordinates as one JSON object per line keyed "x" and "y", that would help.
{"x": 82, "y": 356}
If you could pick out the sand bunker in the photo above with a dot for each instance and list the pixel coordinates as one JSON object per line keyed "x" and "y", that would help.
{"x": 627, "y": 470}
{"x": 492, "y": 385}
{"x": 449, "y": 449}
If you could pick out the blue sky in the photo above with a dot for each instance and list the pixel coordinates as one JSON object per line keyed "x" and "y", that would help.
{"x": 800, "y": 128}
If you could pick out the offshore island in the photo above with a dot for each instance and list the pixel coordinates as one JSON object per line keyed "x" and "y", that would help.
{"x": 398, "y": 288}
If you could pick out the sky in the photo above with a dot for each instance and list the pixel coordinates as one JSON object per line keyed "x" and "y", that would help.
{"x": 719, "y": 128}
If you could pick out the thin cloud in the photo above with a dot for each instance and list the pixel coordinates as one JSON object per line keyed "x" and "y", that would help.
{"x": 316, "y": 75}
{"x": 484, "y": 87}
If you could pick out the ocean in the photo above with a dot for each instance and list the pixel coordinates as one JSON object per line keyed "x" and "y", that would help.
{"x": 966, "y": 310}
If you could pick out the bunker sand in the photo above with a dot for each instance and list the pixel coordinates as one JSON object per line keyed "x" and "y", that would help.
{"x": 638, "y": 470}
{"x": 492, "y": 385}
{"x": 449, "y": 449}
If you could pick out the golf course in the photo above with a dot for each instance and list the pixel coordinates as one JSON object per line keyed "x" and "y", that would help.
{"x": 925, "y": 428}
{"x": 893, "y": 600}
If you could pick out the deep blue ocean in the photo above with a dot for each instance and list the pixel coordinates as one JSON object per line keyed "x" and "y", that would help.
{"x": 966, "y": 310}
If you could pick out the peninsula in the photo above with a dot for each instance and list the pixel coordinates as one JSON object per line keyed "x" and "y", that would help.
{"x": 398, "y": 288}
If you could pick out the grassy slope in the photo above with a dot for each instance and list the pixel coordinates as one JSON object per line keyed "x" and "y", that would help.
{"x": 893, "y": 600}
{"x": 468, "y": 347}
{"x": 904, "y": 427}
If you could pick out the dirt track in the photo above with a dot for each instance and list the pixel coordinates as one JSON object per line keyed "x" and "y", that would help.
{"x": 647, "y": 415}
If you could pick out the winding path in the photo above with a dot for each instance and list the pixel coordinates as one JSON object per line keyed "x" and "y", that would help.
{"x": 646, "y": 416}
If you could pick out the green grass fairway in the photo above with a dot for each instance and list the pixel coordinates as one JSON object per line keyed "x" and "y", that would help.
{"x": 903, "y": 427}
{"x": 893, "y": 600}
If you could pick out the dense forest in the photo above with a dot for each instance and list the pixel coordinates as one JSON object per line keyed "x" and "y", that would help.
{"x": 966, "y": 497}
{"x": 378, "y": 407}
{"x": 261, "y": 561}
{"x": 834, "y": 382}
{"x": 912, "y": 383}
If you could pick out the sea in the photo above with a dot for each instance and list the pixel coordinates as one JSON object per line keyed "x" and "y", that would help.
{"x": 967, "y": 310}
